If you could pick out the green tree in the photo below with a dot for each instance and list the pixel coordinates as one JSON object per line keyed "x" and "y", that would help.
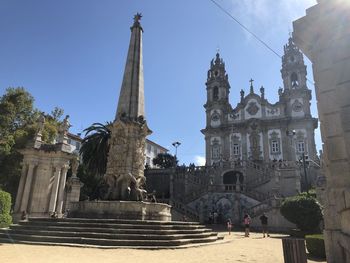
{"x": 5, "y": 207}
{"x": 165, "y": 160}
{"x": 17, "y": 116}
{"x": 302, "y": 210}
{"x": 94, "y": 148}
{"x": 57, "y": 114}
{"x": 93, "y": 184}
{"x": 17, "y": 127}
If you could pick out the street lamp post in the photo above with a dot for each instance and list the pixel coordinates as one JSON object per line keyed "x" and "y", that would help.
{"x": 305, "y": 173}
{"x": 176, "y": 145}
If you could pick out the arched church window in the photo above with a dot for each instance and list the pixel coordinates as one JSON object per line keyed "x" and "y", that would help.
{"x": 294, "y": 80}
{"x": 215, "y": 93}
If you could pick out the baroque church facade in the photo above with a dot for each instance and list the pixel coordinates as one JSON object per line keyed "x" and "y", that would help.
{"x": 257, "y": 130}
{"x": 253, "y": 150}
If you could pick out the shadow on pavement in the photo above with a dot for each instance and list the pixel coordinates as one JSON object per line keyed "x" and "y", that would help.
{"x": 310, "y": 257}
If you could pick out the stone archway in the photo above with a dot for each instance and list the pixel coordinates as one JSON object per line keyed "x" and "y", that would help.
{"x": 233, "y": 180}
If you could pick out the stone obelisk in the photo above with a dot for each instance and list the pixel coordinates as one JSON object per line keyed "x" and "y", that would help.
{"x": 125, "y": 164}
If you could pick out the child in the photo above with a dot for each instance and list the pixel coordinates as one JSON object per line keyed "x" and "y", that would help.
{"x": 229, "y": 226}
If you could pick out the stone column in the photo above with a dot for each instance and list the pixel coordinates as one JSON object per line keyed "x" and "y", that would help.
{"x": 62, "y": 184}
{"x": 27, "y": 187}
{"x": 238, "y": 185}
{"x": 21, "y": 187}
{"x": 54, "y": 190}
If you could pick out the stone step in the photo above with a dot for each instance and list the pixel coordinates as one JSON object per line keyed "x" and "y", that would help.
{"x": 90, "y": 234}
{"x": 104, "y": 242}
{"x": 112, "y": 221}
{"x": 111, "y": 230}
{"x": 108, "y": 233}
{"x": 109, "y": 225}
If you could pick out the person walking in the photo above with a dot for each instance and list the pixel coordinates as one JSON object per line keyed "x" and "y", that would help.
{"x": 264, "y": 221}
{"x": 246, "y": 221}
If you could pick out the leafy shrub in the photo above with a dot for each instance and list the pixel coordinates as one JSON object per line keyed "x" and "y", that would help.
{"x": 304, "y": 211}
{"x": 315, "y": 245}
{"x": 5, "y": 207}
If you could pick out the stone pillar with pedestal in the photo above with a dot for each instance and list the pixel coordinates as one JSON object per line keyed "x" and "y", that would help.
{"x": 323, "y": 35}
{"x": 72, "y": 187}
{"x": 21, "y": 187}
{"x": 23, "y": 205}
{"x": 61, "y": 189}
{"x": 54, "y": 191}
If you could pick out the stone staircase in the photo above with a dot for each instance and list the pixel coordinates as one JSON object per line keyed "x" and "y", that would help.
{"x": 185, "y": 210}
{"x": 263, "y": 174}
{"x": 108, "y": 233}
{"x": 264, "y": 206}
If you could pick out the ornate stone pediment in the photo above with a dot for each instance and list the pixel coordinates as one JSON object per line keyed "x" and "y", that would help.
{"x": 235, "y": 138}
{"x": 274, "y": 135}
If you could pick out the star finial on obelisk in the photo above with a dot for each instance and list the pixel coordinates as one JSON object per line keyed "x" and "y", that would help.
{"x": 137, "y": 17}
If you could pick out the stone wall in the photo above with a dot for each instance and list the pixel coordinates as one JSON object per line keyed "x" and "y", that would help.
{"x": 158, "y": 180}
{"x": 276, "y": 222}
{"x": 324, "y": 36}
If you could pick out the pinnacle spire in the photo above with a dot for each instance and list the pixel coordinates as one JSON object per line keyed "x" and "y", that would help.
{"x": 131, "y": 98}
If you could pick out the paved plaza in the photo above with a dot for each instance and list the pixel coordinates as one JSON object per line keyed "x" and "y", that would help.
{"x": 238, "y": 249}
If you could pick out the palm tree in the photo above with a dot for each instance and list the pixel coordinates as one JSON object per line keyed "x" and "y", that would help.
{"x": 94, "y": 149}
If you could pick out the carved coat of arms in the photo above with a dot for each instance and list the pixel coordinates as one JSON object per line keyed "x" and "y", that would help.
{"x": 252, "y": 108}
{"x": 297, "y": 106}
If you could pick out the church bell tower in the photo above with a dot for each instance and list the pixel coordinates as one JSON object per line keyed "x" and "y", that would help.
{"x": 217, "y": 109}
{"x": 218, "y": 90}
{"x": 293, "y": 67}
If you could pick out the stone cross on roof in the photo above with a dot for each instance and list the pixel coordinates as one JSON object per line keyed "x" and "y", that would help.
{"x": 251, "y": 85}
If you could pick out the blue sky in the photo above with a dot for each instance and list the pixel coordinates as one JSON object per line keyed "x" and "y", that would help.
{"x": 71, "y": 54}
